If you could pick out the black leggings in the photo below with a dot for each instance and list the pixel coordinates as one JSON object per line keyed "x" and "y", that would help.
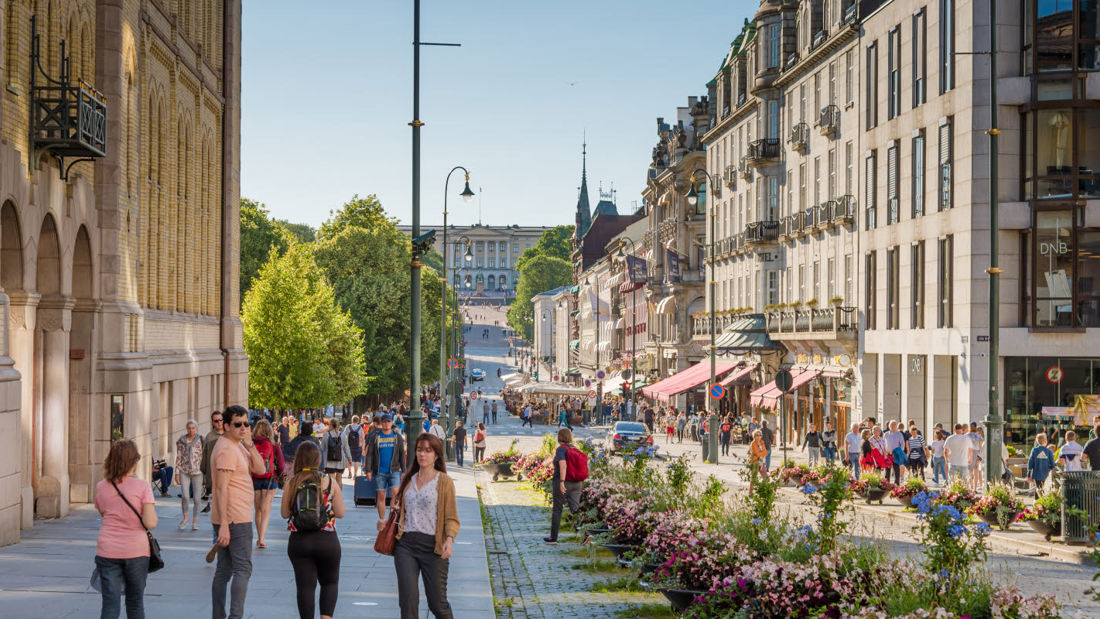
{"x": 316, "y": 558}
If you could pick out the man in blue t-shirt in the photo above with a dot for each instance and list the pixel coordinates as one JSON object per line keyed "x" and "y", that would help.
{"x": 385, "y": 458}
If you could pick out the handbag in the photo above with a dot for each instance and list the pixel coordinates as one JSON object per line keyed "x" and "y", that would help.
{"x": 386, "y": 541}
{"x": 156, "y": 562}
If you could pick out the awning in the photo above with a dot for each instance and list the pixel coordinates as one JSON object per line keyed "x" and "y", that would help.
{"x": 737, "y": 375}
{"x": 683, "y": 381}
{"x": 768, "y": 395}
{"x": 630, "y": 287}
{"x": 575, "y": 344}
{"x": 619, "y": 323}
{"x": 575, "y": 289}
{"x": 745, "y": 334}
{"x": 803, "y": 378}
{"x": 667, "y": 305}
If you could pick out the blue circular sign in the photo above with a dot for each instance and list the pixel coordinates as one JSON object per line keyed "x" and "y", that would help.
{"x": 587, "y": 383}
{"x": 717, "y": 391}
{"x": 600, "y": 374}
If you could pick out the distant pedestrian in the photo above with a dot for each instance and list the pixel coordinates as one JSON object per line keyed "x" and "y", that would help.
{"x": 813, "y": 442}
{"x": 918, "y": 457}
{"x": 1039, "y": 464}
{"x": 128, "y": 508}
{"x": 725, "y": 432}
{"x": 769, "y": 439}
{"x": 485, "y": 409}
{"x": 216, "y": 430}
{"x": 458, "y": 442}
{"x": 267, "y": 482}
{"x": 189, "y": 473}
{"x": 493, "y": 408}
{"x": 526, "y": 417}
{"x": 566, "y": 484}
{"x": 959, "y": 451}
{"x": 681, "y": 423}
{"x": 437, "y": 430}
{"x": 939, "y": 462}
{"x": 384, "y": 462}
{"x": 563, "y": 419}
{"x": 353, "y": 434}
{"x": 828, "y": 438}
{"x": 758, "y": 453}
{"x": 479, "y": 442}
{"x": 335, "y": 452}
{"x": 853, "y": 444}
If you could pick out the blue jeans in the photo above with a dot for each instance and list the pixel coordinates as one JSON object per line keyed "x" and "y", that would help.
{"x": 118, "y": 577}
{"x": 768, "y": 460}
{"x": 460, "y": 454}
{"x": 853, "y": 460}
{"x": 830, "y": 454}
{"x": 939, "y": 466}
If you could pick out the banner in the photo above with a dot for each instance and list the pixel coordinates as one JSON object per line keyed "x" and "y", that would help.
{"x": 599, "y": 306}
{"x": 637, "y": 269}
{"x": 673, "y": 265}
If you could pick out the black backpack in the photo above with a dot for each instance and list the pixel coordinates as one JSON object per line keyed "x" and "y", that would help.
{"x": 309, "y": 513}
{"x": 353, "y": 437}
{"x": 334, "y": 448}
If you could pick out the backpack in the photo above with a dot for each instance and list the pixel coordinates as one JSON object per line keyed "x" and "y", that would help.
{"x": 267, "y": 452}
{"x": 576, "y": 465}
{"x": 334, "y": 448}
{"x": 353, "y": 437}
{"x": 309, "y": 512}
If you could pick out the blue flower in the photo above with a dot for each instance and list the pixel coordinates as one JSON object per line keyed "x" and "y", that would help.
{"x": 628, "y": 458}
{"x": 944, "y": 574}
{"x": 639, "y": 451}
{"x": 809, "y": 489}
{"x": 757, "y": 521}
{"x": 982, "y": 529}
{"x": 956, "y": 531}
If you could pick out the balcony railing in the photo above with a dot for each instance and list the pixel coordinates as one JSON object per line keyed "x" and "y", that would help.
{"x": 744, "y": 169}
{"x": 827, "y": 215}
{"x": 761, "y": 232}
{"x": 812, "y": 323}
{"x": 809, "y": 218}
{"x": 786, "y": 227}
{"x": 700, "y": 323}
{"x": 800, "y": 137}
{"x": 730, "y": 176}
{"x": 798, "y": 223}
{"x": 845, "y": 210}
{"x": 819, "y": 38}
{"x": 828, "y": 120}
{"x": 763, "y": 151}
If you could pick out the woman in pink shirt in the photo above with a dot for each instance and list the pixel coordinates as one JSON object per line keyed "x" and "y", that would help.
{"x": 122, "y": 548}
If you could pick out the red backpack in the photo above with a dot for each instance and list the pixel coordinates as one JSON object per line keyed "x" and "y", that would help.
{"x": 576, "y": 464}
{"x": 267, "y": 452}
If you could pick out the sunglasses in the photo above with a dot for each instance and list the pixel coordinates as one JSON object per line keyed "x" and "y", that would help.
{"x": 218, "y": 420}
{"x": 240, "y": 424}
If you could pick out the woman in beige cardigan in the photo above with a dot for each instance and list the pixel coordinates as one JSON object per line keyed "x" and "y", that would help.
{"x": 427, "y": 523}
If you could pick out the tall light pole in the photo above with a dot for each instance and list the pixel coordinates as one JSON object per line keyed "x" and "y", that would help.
{"x": 712, "y": 426}
{"x": 993, "y": 421}
{"x": 448, "y": 412}
{"x": 538, "y": 360}
{"x": 633, "y": 317}
{"x": 599, "y": 405}
{"x": 415, "y": 419}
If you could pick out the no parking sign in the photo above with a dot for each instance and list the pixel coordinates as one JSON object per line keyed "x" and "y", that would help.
{"x": 717, "y": 391}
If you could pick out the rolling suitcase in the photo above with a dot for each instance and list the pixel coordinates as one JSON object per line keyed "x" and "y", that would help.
{"x": 364, "y": 491}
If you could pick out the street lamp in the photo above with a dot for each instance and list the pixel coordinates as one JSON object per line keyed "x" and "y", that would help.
{"x": 633, "y": 317}
{"x": 712, "y": 426}
{"x": 599, "y": 390}
{"x": 539, "y": 347}
{"x": 466, "y": 195}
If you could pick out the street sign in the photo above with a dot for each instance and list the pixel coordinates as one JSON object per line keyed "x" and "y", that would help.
{"x": 717, "y": 391}
{"x": 592, "y": 395}
{"x": 473, "y": 395}
{"x": 600, "y": 374}
{"x": 587, "y": 383}
{"x": 783, "y": 380}
{"x": 1055, "y": 374}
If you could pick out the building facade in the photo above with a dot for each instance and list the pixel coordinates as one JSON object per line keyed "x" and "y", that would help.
{"x": 119, "y": 237}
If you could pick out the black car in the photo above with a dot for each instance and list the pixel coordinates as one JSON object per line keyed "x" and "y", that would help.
{"x": 628, "y": 435}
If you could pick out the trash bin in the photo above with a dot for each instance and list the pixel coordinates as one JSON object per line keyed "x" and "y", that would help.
{"x": 1080, "y": 489}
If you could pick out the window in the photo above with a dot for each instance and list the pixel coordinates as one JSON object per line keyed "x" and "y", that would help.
{"x": 871, "y": 88}
{"x": 790, "y": 284}
{"x": 850, "y": 76}
{"x": 947, "y": 45}
{"x": 893, "y": 307}
{"x": 773, "y": 288}
{"x": 893, "y": 73}
{"x": 790, "y": 192}
{"x": 817, "y": 180}
{"x": 831, "y": 187}
{"x": 772, "y": 42}
{"x": 817, "y": 92}
{"x": 916, "y": 286}
{"x": 871, "y": 282}
{"x": 802, "y": 102}
{"x": 831, "y": 277}
{"x": 945, "y": 286}
{"x": 920, "y": 55}
{"x": 869, "y": 189}
{"x": 816, "y": 282}
{"x": 892, "y": 183}
{"x": 801, "y": 186}
{"x": 773, "y": 119}
{"x": 849, "y": 163}
{"x": 1061, "y": 153}
{"x": 492, "y": 263}
{"x": 849, "y": 280}
{"x": 918, "y": 173}
{"x": 772, "y": 211}
{"x": 1053, "y": 274}
{"x": 945, "y": 171}
{"x": 802, "y": 283}
{"x": 503, "y": 247}
{"x": 832, "y": 83}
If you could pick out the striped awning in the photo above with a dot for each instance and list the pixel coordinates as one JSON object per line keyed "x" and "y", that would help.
{"x": 667, "y": 305}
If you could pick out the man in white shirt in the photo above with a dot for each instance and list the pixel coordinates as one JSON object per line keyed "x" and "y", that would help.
{"x": 1070, "y": 453}
{"x": 896, "y": 446}
{"x": 854, "y": 442}
{"x": 437, "y": 430}
{"x": 959, "y": 450}
{"x": 975, "y": 435}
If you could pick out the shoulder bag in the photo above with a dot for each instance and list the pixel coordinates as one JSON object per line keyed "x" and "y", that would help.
{"x": 386, "y": 541}
{"x": 156, "y": 562}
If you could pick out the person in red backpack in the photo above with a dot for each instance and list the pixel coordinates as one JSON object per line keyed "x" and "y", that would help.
{"x": 267, "y": 482}
{"x": 570, "y": 471}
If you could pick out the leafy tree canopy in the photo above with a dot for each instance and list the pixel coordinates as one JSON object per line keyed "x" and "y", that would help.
{"x": 539, "y": 274}
{"x": 303, "y": 232}
{"x": 260, "y": 237}
{"x": 358, "y": 212}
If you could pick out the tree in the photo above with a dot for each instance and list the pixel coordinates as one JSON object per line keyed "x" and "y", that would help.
{"x": 358, "y": 212}
{"x": 554, "y": 242}
{"x": 260, "y": 237}
{"x": 304, "y": 352}
{"x": 303, "y": 232}
{"x": 540, "y": 274}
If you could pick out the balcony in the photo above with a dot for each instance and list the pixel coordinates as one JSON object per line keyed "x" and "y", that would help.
{"x": 700, "y": 323}
{"x": 800, "y": 137}
{"x": 763, "y": 152}
{"x": 845, "y": 213}
{"x": 826, "y": 215}
{"x": 760, "y": 232}
{"x": 730, "y": 176}
{"x": 809, "y": 219}
{"x": 744, "y": 170}
{"x": 819, "y": 38}
{"x": 798, "y": 224}
{"x": 829, "y": 323}
{"x": 828, "y": 120}
{"x": 786, "y": 227}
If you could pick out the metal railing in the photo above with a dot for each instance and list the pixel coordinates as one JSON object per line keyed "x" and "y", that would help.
{"x": 762, "y": 231}
{"x": 845, "y": 209}
{"x": 763, "y": 150}
{"x": 800, "y": 136}
{"x": 828, "y": 120}
{"x": 812, "y": 320}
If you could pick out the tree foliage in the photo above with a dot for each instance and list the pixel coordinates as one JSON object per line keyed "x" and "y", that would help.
{"x": 260, "y": 237}
{"x": 304, "y": 351}
{"x": 554, "y": 242}
{"x": 358, "y": 212}
{"x": 539, "y": 274}
{"x": 303, "y": 232}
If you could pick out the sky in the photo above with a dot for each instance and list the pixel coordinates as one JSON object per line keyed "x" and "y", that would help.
{"x": 327, "y": 98}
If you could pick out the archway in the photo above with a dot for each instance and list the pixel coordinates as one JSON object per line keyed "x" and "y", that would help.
{"x": 11, "y": 249}
{"x": 90, "y": 438}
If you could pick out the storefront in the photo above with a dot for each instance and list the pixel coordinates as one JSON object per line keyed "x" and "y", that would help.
{"x": 1043, "y": 392}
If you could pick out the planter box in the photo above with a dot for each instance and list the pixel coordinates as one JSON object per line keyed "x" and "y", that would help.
{"x": 874, "y": 494}
{"x": 621, "y": 549}
{"x": 498, "y": 470}
{"x": 1045, "y": 529}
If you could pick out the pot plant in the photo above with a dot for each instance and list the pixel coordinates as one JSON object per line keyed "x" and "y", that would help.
{"x": 872, "y": 487}
{"x": 688, "y": 574}
{"x": 999, "y": 506}
{"x": 957, "y": 495}
{"x": 1045, "y": 516}
{"x": 836, "y": 301}
{"x": 906, "y": 491}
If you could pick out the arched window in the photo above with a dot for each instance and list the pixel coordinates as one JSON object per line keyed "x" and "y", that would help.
{"x": 492, "y": 282}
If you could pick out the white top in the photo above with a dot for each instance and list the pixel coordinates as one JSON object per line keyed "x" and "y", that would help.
{"x": 1071, "y": 452}
{"x": 958, "y": 448}
{"x": 438, "y": 431}
{"x": 854, "y": 442}
{"x": 420, "y": 507}
{"x": 937, "y": 449}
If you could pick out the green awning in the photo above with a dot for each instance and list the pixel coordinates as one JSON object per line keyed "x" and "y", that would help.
{"x": 575, "y": 289}
{"x": 574, "y": 312}
{"x": 575, "y": 344}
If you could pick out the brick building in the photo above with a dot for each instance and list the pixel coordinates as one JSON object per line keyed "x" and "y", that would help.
{"x": 119, "y": 237}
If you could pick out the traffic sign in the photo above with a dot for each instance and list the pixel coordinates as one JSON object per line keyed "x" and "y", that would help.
{"x": 717, "y": 391}
{"x": 592, "y": 395}
{"x": 473, "y": 395}
{"x": 600, "y": 374}
{"x": 1055, "y": 374}
{"x": 587, "y": 383}
{"x": 783, "y": 380}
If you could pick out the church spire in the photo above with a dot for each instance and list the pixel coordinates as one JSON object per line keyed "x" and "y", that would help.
{"x": 584, "y": 211}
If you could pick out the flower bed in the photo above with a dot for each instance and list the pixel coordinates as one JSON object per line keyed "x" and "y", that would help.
{"x": 906, "y": 491}
{"x": 999, "y": 506}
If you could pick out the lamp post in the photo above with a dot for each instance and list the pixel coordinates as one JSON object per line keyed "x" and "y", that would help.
{"x": 598, "y": 390}
{"x": 538, "y": 356}
{"x": 448, "y": 411}
{"x": 712, "y": 426}
{"x": 993, "y": 420}
{"x": 633, "y": 318}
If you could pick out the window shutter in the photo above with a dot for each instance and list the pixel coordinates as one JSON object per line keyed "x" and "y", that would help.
{"x": 945, "y": 143}
{"x": 892, "y": 171}
{"x": 869, "y": 189}
{"x": 946, "y": 176}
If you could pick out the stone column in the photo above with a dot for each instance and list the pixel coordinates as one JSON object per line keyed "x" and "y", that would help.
{"x": 11, "y": 468}
{"x": 55, "y": 321}
{"x": 21, "y": 317}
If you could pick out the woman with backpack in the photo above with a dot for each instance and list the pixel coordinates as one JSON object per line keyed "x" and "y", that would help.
{"x": 355, "y": 434}
{"x": 267, "y": 482}
{"x": 311, "y": 504}
{"x": 570, "y": 470}
{"x": 335, "y": 453}
{"x": 479, "y": 442}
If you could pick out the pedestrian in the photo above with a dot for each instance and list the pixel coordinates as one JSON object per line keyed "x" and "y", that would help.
{"x": 976, "y": 467}
{"x": 884, "y": 460}
{"x": 335, "y": 452}
{"x": 769, "y": 438}
{"x": 304, "y": 436}
{"x": 814, "y": 442}
{"x": 1039, "y": 464}
{"x": 828, "y": 439}
{"x": 162, "y": 475}
{"x": 1070, "y": 453}
{"x": 353, "y": 436}
{"x": 265, "y": 484}
{"x": 458, "y": 442}
{"x": 959, "y": 451}
{"x": 437, "y": 430}
{"x": 918, "y": 456}
{"x": 233, "y": 460}
{"x": 939, "y": 462}
{"x": 283, "y": 436}
{"x": 208, "y": 442}
{"x": 563, "y": 419}
{"x": 1092, "y": 450}
{"x": 725, "y": 432}
{"x": 681, "y": 423}
{"x": 427, "y": 524}
{"x": 526, "y": 418}
{"x": 311, "y": 504}
{"x": 894, "y": 446}
{"x": 479, "y": 443}
{"x": 758, "y": 452}
{"x": 189, "y": 473}
{"x": 384, "y": 462}
{"x": 567, "y": 482}
{"x": 853, "y": 445}
{"x": 493, "y": 409}
{"x": 648, "y": 417}
{"x": 485, "y": 409}
{"x": 128, "y": 509}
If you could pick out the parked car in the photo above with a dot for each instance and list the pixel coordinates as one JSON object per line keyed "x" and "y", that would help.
{"x": 477, "y": 374}
{"x": 628, "y": 435}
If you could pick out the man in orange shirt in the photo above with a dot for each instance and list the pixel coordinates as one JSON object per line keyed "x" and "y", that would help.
{"x": 233, "y": 460}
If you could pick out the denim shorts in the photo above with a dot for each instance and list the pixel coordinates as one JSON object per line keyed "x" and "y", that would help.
{"x": 265, "y": 484}
{"x": 384, "y": 481}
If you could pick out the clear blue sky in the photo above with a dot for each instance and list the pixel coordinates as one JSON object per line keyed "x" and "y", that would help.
{"x": 327, "y": 97}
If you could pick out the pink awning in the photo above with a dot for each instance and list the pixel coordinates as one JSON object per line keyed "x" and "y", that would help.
{"x": 683, "y": 381}
{"x": 737, "y": 375}
{"x": 804, "y": 377}
{"x": 768, "y": 395}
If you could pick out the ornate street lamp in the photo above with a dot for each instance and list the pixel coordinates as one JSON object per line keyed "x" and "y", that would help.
{"x": 712, "y": 426}
{"x": 633, "y": 318}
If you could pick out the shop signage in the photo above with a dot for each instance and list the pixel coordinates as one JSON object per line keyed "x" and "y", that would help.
{"x": 1047, "y": 248}
{"x": 802, "y": 358}
{"x": 637, "y": 268}
{"x": 1055, "y": 374}
{"x": 843, "y": 359}
{"x": 817, "y": 358}
{"x": 673, "y": 266}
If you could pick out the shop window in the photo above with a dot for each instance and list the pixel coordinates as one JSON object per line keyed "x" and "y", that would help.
{"x": 1088, "y": 278}
{"x": 1054, "y": 41}
{"x": 1060, "y": 159}
{"x": 1053, "y": 269}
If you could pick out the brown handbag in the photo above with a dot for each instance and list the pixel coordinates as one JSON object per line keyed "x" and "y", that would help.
{"x": 387, "y": 537}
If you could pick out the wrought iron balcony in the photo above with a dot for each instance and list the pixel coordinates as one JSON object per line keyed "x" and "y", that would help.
{"x": 828, "y": 120}
{"x": 730, "y": 176}
{"x": 798, "y": 223}
{"x": 845, "y": 210}
{"x": 828, "y": 323}
{"x": 826, "y": 217}
{"x": 67, "y": 121}
{"x": 744, "y": 169}
{"x": 819, "y": 38}
{"x": 763, "y": 152}
{"x": 809, "y": 218}
{"x": 700, "y": 323}
{"x": 786, "y": 227}
{"x": 800, "y": 137}
{"x": 759, "y": 232}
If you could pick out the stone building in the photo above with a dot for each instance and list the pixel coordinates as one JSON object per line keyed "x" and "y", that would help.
{"x": 119, "y": 235}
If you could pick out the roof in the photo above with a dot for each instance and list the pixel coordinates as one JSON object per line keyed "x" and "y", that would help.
{"x": 745, "y": 334}
{"x": 606, "y": 207}
{"x": 550, "y": 293}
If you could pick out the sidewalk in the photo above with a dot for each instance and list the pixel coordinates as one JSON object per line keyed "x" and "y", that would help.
{"x": 46, "y": 575}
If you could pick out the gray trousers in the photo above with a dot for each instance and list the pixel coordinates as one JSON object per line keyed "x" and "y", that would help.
{"x": 415, "y": 556}
{"x": 234, "y": 561}
{"x": 572, "y": 495}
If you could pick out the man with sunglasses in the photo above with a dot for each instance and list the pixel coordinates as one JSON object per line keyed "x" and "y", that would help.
{"x": 234, "y": 460}
{"x": 216, "y": 430}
